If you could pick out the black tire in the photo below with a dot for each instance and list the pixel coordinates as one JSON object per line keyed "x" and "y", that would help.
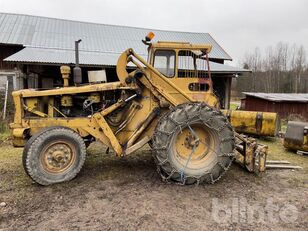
{"x": 150, "y": 143}
{"x": 27, "y": 146}
{"x": 182, "y": 156}
{"x": 40, "y": 163}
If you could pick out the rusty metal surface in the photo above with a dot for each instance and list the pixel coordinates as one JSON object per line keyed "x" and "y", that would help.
{"x": 296, "y": 136}
{"x": 254, "y": 123}
{"x": 295, "y": 131}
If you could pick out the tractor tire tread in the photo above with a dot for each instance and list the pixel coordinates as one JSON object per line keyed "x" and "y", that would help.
{"x": 189, "y": 113}
{"x": 35, "y": 142}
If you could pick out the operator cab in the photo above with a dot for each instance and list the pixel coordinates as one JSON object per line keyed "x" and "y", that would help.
{"x": 182, "y": 62}
{"x": 186, "y": 65}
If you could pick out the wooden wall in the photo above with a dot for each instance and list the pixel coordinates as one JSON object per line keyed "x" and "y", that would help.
{"x": 284, "y": 109}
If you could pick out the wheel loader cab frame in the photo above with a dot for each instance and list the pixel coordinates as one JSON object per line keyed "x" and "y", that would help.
{"x": 191, "y": 66}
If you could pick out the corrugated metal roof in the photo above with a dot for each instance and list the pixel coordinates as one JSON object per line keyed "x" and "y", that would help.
{"x": 56, "y": 56}
{"x": 42, "y": 32}
{"x": 280, "y": 97}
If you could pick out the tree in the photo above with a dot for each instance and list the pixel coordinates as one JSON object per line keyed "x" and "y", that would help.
{"x": 280, "y": 68}
{"x": 298, "y": 66}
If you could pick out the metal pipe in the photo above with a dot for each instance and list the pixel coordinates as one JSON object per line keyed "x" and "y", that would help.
{"x": 77, "y": 69}
{"x": 209, "y": 70}
{"x": 77, "y": 52}
{"x": 278, "y": 166}
{"x": 277, "y": 162}
{"x": 130, "y": 98}
{"x": 115, "y": 106}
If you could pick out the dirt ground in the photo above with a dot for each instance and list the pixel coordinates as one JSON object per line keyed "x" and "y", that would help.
{"x": 127, "y": 194}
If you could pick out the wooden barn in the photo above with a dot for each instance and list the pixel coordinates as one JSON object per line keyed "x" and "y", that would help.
{"x": 281, "y": 103}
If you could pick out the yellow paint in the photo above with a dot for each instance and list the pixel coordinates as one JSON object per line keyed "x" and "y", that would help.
{"x": 247, "y": 122}
{"x": 65, "y": 71}
{"x": 155, "y": 91}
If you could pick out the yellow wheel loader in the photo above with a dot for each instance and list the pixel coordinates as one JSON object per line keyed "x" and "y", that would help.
{"x": 166, "y": 102}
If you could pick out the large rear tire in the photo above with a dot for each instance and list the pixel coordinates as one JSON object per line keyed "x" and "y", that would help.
{"x": 54, "y": 155}
{"x": 193, "y": 143}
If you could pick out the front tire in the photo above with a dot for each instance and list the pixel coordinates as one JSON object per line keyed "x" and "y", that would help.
{"x": 54, "y": 155}
{"x": 193, "y": 143}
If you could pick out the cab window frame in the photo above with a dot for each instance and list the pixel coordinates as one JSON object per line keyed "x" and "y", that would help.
{"x": 174, "y": 65}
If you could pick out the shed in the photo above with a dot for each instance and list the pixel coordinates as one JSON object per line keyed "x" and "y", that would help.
{"x": 285, "y": 104}
{"x": 34, "y": 47}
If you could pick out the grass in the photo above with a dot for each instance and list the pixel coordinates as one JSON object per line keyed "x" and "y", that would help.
{"x": 283, "y": 125}
{"x": 12, "y": 174}
{"x": 233, "y": 105}
{"x": 5, "y": 131}
{"x": 5, "y": 135}
{"x": 278, "y": 152}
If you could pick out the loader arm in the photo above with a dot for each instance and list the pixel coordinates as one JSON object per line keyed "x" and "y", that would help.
{"x": 153, "y": 76}
{"x": 248, "y": 152}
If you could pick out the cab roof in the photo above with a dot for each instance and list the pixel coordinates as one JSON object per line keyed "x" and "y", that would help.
{"x": 181, "y": 45}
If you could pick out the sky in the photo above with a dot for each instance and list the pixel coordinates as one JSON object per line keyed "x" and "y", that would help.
{"x": 237, "y": 25}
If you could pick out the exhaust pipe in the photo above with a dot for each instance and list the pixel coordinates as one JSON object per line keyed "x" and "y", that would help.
{"x": 77, "y": 69}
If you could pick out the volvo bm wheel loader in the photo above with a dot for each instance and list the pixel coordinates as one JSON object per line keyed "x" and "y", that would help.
{"x": 166, "y": 101}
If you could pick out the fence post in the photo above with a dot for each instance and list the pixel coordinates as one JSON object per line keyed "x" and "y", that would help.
{"x": 5, "y": 98}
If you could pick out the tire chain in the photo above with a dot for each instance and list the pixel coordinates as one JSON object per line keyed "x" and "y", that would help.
{"x": 180, "y": 126}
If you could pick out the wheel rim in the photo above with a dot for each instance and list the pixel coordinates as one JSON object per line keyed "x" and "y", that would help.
{"x": 58, "y": 156}
{"x": 194, "y": 146}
